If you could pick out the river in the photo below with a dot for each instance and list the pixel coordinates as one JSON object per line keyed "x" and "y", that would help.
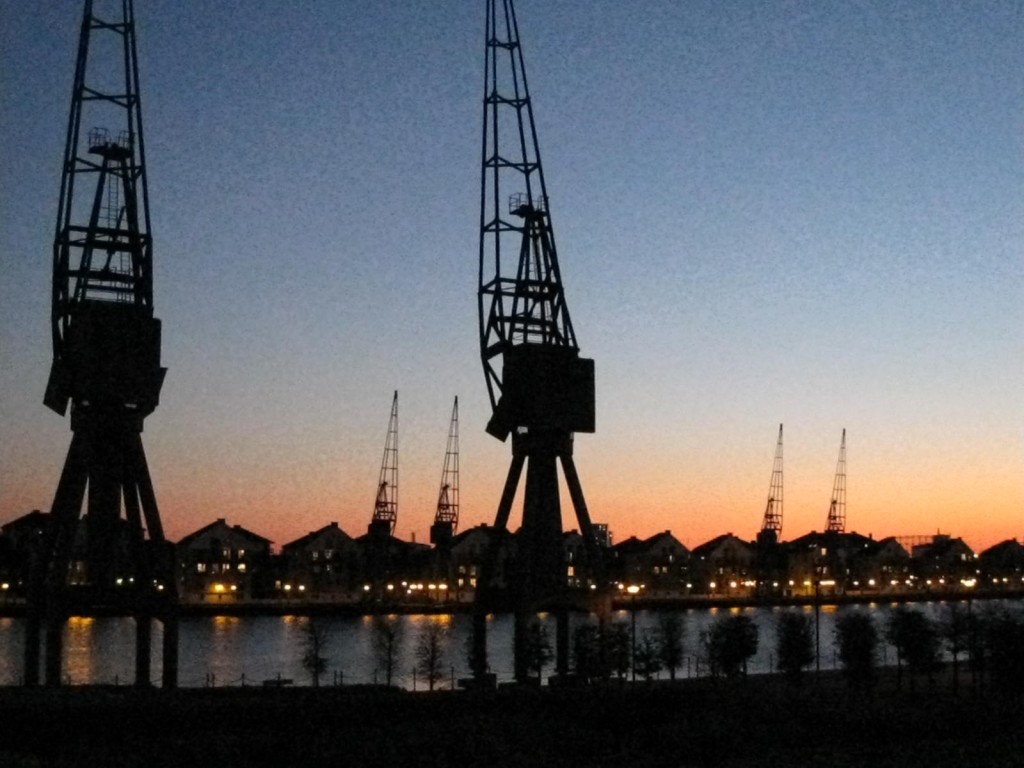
{"x": 232, "y": 651}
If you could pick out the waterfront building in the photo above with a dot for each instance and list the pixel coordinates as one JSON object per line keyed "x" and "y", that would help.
{"x": 724, "y": 566}
{"x": 659, "y": 562}
{"x": 469, "y": 550}
{"x": 18, "y": 540}
{"x": 322, "y": 564}
{"x": 945, "y": 558}
{"x": 224, "y": 563}
{"x": 1002, "y": 565}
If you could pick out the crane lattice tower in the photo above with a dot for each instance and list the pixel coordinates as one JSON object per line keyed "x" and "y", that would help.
{"x": 837, "y": 507}
{"x": 771, "y": 524}
{"x": 446, "y": 518}
{"x": 385, "y": 506}
{"x": 541, "y": 390}
{"x": 106, "y": 364}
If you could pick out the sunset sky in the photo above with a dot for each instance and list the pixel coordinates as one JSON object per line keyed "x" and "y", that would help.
{"x": 788, "y": 212}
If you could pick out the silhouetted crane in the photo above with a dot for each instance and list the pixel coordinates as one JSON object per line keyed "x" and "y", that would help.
{"x": 771, "y": 525}
{"x": 106, "y": 363}
{"x": 770, "y": 559}
{"x": 837, "y": 507}
{"x": 446, "y": 518}
{"x": 543, "y": 391}
{"x": 385, "y": 507}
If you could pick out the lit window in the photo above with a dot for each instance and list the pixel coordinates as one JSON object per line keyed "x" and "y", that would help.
{"x": 241, "y": 554}
{"x": 201, "y": 567}
{"x": 328, "y": 554}
{"x": 226, "y": 553}
{"x": 241, "y": 567}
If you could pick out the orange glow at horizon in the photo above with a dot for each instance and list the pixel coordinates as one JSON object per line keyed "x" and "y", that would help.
{"x": 637, "y": 487}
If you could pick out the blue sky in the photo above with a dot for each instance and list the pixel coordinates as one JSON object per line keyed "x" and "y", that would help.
{"x": 808, "y": 213}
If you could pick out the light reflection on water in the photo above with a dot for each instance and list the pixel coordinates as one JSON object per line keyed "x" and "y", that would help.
{"x": 226, "y": 650}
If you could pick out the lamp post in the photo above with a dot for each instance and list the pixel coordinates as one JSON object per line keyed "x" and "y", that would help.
{"x": 969, "y": 584}
{"x": 817, "y": 624}
{"x": 633, "y": 590}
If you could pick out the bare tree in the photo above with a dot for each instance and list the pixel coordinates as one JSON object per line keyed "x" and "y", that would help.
{"x": 537, "y": 648}
{"x": 315, "y": 638}
{"x": 617, "y": 648}
{"x": 669, "y": 635}
{"x": 387, "y": 639}
{"x": 857, "y": 642}
{"x": 794, "y": 643}
{"x": 729, "y": 642}
{"x": 648, "y": 656}
{"x": 1003, "y": 632}
{"x": 916, "y": 641}
{"x": 430, "y": 651}
{"x": 957, "y": 627}
{"x": 586, "y": 652}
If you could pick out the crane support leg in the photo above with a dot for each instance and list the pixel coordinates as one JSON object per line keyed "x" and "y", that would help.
{"x": 579, "y": 503}
{"x": 485, "y": 579}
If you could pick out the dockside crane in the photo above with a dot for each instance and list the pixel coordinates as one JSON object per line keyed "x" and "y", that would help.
{"x": 771, "y": 524}
{"x": 385, "y": 506}
{"x": 541, "y": 390}
{"x": 106, "y": 365}
{"x": 446, "y": 518}
{"x": 837, "y": 507}
{"x": 770, "y": 559}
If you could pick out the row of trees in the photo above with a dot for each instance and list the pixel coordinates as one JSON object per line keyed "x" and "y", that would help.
{"x": 388, "y": 641}
{"x": 992, "y": 642}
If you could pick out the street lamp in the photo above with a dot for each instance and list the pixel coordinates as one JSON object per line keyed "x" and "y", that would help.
{"x": 817, "y": 624}
{"x": 633, "y": 590}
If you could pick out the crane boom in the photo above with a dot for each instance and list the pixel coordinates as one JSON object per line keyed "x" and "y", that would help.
{"x": 524, "y": 319}
{"x": 772, "y": 520}
{"x": 446, "y": 518}
{"x": 385, "y": 506}
{"x": 837, "y": 507}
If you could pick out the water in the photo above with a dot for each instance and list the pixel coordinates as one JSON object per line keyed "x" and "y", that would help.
{"x": 232, "y": 651}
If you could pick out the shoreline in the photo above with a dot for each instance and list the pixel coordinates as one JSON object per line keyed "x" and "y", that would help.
{"x": 14, "y": 608}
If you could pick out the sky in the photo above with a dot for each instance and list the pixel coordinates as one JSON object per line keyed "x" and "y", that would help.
{"x": 792, "y": 212}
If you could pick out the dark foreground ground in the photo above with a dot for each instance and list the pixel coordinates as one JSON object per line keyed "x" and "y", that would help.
{"x": 759, "y": 721}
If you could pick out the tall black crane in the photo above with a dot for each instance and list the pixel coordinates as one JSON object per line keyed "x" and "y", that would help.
{"x": 770, "y": 560}
{"x": 837, "y": 507}
{"x": 385, "y": 506}
{"x": 771, "y": 524}
{"x": 446, "y": 518}
{"x": 106, "y": 364}
{"x": 541, "y": 390}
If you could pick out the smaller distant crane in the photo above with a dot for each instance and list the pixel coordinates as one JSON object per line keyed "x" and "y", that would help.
{"x": 837, "y": 508}
{"x": 385, "y": 508}
{"x": 771, "y": 525}
{"x": 446, "y": 519}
